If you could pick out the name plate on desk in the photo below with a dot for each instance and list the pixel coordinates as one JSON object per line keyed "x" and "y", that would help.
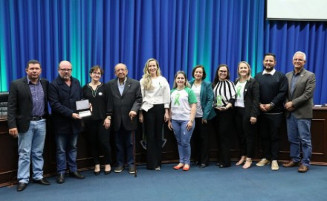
{"x": 83, "y": 108}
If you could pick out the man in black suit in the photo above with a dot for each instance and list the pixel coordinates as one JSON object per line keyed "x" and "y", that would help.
{"x": 27, "y": 109}
{"x": 64, "y": 91}
{"x": 125, "y": 101}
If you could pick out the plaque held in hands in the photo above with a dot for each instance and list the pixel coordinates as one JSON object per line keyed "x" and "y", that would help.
{"x": 83, "y": 108}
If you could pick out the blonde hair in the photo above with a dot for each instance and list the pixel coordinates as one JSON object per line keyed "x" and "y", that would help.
{"x": 238, "y": 68}
{"x": 146, "y": 78}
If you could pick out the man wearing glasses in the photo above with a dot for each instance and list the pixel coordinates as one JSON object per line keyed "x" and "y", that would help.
{"x": 64, "y": 91}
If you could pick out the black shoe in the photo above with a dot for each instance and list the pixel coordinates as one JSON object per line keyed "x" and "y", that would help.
{"x": 196, "y": 163}
{"x": 21, "y": 186}
{"x": 60, "y": 178}
{"x": 119, "y": 169}
{"x": 223, "y": 165}
{"x": 107, "y": 172}
{"x": 96, "y": 173}
{"x": 131, "y": 169}
{"x": 42, "y": 181}
{"x": 203, "y": 165}
{"x": 76, "y": 175}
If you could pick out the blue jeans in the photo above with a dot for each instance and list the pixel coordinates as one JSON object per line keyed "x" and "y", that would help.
{"x": 31, "y": 144}
{"x": 298, "y": 131}
{"x": 183, "y": 138}
{"x": 66, "y": 147}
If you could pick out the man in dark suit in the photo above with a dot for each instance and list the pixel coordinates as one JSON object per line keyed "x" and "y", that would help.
{"x": 299, "y": 105}
{"x": 125, "y": 101}
{"x": 27, "y": 109}
{"x": 64, "y": 91}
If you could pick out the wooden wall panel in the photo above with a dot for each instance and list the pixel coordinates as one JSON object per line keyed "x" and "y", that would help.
{"x": 8, "y": 148}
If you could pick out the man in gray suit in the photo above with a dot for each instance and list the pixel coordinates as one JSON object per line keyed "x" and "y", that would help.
{"x": 299, "y": 104}
{"x": 125, "y": 100}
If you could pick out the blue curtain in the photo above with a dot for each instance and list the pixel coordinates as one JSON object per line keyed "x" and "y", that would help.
{"x": 179, "y": 33}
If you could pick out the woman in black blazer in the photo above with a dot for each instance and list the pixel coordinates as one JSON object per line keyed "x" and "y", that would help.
{"x": 246, "y": 112}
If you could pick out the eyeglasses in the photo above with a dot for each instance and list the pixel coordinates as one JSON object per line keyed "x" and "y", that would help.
{"x": 96, "y": 73}
{"x": 67, "y": 70}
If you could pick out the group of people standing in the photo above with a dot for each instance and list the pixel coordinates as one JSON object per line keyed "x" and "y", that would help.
{"x": 118, "y": 101}
{"x": 248, "y": 103}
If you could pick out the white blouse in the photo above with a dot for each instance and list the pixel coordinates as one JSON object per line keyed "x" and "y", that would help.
{"x": 160, "y": 94}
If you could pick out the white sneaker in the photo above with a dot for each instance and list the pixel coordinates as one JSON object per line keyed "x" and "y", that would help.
{"x": 274, "y": 165}
{"x": 263, "y": 162}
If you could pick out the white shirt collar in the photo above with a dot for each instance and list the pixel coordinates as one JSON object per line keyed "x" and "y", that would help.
{"x": 271, "y": 72}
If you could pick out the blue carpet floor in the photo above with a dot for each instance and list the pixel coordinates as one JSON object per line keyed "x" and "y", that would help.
{"x": 211, "y": 183}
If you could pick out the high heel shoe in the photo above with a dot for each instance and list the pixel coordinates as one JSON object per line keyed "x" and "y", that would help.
{"x": 248, "y": 163}
{"x": 241, "y": 161}
{"x": 178, "y": 166}
{"x": 96, "y": 170}
{"x": 106, "y": 171}
{"x": 186, "y": 167}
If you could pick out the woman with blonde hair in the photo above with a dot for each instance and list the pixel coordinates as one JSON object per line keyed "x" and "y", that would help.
{"x": 154, "y": 110}
{"x": 246, "y": 112}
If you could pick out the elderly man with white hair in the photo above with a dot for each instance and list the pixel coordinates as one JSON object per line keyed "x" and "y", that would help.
{"x": 299, "y": 104}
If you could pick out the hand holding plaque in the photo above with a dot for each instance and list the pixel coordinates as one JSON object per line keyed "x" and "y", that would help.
{"x": 83, "y": 108}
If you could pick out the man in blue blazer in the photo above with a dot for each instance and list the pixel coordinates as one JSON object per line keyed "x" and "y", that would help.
{"x": 299, "y": 105}
{"x": 64, "y": 91}
{"x": 27, "y": 110}
{"x": 125, "y": 101}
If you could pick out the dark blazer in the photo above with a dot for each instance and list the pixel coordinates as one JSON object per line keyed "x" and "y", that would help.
{"x": 206, "y": 99}
{"x": 62, "y": 100}
{"x": 121, "y": 105}
{"x": 251, "y": 98}
{"x": 302, "y": 97}
{"x": 20, "y": 104}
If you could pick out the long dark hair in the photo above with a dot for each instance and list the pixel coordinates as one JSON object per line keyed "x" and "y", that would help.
{"x": 216, "y": 80}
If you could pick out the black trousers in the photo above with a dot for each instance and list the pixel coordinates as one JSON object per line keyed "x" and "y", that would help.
{"x": 153, "y": 125}
{"x": 246, "y": 132}
{"x": 200, "y": 142}
{"x": 224, "y": 128}
{"x": 99, "y": 138}
{"x": 270, "y": 125}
